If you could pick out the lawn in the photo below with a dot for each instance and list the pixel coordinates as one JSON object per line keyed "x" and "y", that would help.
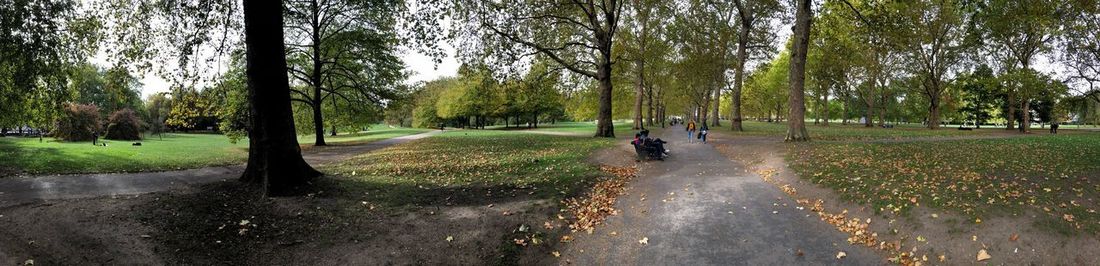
{"x": 851, "y": 132}
{"x": 464, "y": 165}
{"x": 376, "y": 132}
{"x": 1055, "y": 175}
{"x": 174, "y": 151}
{"x": 156, "y": 153}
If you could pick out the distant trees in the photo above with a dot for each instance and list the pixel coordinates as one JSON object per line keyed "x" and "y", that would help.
{"x": 124, "y": 124}
{"x": 476, "y": 99}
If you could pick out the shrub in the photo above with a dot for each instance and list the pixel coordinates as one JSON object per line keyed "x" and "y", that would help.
{"x": 78, "y": 122}
{"x": 124, "y": 125}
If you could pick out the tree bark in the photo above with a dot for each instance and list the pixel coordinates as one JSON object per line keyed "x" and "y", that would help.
{"x": 1011, "y": 123}
{"x": 796, "y": 125}
{"x": 274, "y": 157}
{"x": 1025, "y": 116}
{"x": 739, "y": 78}
{"x": 315, "y": 79}
{"x": 604, "y": 127}
{"x": 716, "y": 119}
{"x": 639, "y": 86}
{"x": 825, "y": 107}
{"x": 649, "y": 104}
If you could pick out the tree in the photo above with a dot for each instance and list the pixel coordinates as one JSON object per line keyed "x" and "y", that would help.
{"x": 754, "y": 18}
{"x": 580, "y": 40}
{"x": 1082, "y": 47}
{"x": 274, "y": 157}
{"x": 157, "y": 107}
{"x": 643, "y": 40}
{"x": 796, "y": 122}
{"x": 1020, "y": 30}
{"x": 341, "y": 50}
{"x": 933, "y": 38}
{"x": 124, "y": 124}
{"x": 980, "y": 94}
{"x": 192, "y": 110}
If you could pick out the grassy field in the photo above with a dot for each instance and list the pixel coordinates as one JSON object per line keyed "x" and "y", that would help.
{"x": 1055, "y": 175}
{"x": 169, "y": 152}
{"x": 464, "y": 165}
{"x": 376, "y": 133}
{"x": 175, "y": 151}
{"x": 622, "y": 128}
{"x": 838, "y": 132}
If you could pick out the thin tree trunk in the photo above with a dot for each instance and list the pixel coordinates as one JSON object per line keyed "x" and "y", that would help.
{"x": 825, "y": 107}
{"x": 796, "y": 125}
{"x": 649, "y": 106}
{"x": 716, "y": 119}
{"x": 274, "y": 157}
{"x": 1011, "y": 124}
{"x": 639, "y": 86}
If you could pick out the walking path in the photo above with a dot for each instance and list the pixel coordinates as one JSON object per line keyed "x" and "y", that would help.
{"x": 14, "y": 191}
{"x": 700, "y": 208}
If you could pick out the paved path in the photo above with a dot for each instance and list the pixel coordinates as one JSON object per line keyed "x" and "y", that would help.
{"x": 15, "y": 191}
{"x": 700, "y": 208}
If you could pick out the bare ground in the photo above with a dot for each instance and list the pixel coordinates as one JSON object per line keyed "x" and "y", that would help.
{"x": 956, "y": 237}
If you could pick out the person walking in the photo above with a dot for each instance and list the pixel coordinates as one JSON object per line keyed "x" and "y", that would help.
{"x": 690, "y": 126}
{"x": 703, "y": 133}
{"x": 1054, "y": 128}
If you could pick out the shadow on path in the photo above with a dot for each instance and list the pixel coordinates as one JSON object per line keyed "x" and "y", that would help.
{"x": 700, "y": 208}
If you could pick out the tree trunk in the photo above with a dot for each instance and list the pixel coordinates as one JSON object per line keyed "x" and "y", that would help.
{"x": 649, "y": 106}
{"x": 934, "y": 114}
{"x": 315, "y": 79}
{"x": 739, "y": 79}
{"x": 716, "y": 119}
{"x": 825, "y": 107}
{"x": 796, "y": 125}
{"x": 604, "y": 126}
{"x": 274, "y": 157}
{"x": 1025, "y": 116}
{"x": 1011, "y": 124}
{"x": 639, "y": 86}
{"x": 882, "y": 110}
{"x": 333, "y": 130}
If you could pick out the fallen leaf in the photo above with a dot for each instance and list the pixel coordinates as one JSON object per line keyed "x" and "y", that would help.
{"x": 943, "y": 258}
{"x": 644, "y": 241}
{"x": 841, "y": 255}
{"x": 982, "y": 255}
{"x": 1013, "y": 237}
{"x": 556, "y": 254}
{"x": 450, "y": 238}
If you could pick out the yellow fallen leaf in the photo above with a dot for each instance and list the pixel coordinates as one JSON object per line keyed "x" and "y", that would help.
{"x": 841, "y": 255}
{"x": 450, "y": 238}
{"x": 943, "y": 258}
{"x": 644, "y": 241}
{"x": 982, "y": 255}
{"x": 556, "y": 254}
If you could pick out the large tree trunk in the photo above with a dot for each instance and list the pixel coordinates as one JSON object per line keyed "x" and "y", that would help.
{"x": 274, "y": 157}
{"x": 1025, "y": 116}
{"x": 639, "y": 86}
{"x": 604, "y": 127}
{"x": 796, "y": 125}
{"x": 739, "y": 79}
{"x": 934, "y": 113}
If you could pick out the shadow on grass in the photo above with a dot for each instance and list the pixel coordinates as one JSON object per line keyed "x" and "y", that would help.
{"x": 208, "y": 227}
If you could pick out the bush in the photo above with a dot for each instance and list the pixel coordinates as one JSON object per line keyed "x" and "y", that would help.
{"x": 124, "y": 125}
{"x": 78, "y": 122}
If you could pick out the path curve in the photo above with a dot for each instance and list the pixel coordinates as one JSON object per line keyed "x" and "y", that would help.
{"x": 701, "y": 208}
{"x": 15, "y": 191}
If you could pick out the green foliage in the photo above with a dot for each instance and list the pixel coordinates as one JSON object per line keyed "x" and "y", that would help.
{"x": 192, "y": 110}
{"x": 124, "y": 125}
{"x": 157, "y": 108}
{"x": 981, "y": 94}
{"x": 78, "y": 122}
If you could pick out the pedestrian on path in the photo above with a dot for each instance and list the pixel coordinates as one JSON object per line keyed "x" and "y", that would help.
{"x": 703, "y": 133}
{"x": 691, "y": 130}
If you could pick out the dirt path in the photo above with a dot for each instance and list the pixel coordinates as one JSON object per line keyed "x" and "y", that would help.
{"x": 14, "y": 191}
{"x": 699, "y": 208}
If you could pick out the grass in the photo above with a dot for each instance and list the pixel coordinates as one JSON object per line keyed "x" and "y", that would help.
{"x": 174, "y": 151}
{"x": 463, "y": 166}
{"x": 851, "y": 132}
{"x": 1055, "y": 175}
{"x": 376, "y": 133}
{"x": 170, "y": 152}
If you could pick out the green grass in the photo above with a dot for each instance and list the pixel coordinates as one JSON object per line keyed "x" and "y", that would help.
{"x": 469, "y": 166}
{"x": 588, "y": 128}
{"x": 376, "y": 133}
{"x": 175, "y": 151}
{"x": 838, "y": 132}
{"x": 1055, "y": 175}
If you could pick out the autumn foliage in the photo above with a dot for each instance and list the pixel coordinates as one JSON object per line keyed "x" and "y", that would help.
{"x": 124, "y": 125}
{"x": 78, "y": 122}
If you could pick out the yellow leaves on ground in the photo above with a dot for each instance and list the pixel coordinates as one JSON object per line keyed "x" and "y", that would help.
{"x": 592, "y": 208}
{"x": 983, "y": 255}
